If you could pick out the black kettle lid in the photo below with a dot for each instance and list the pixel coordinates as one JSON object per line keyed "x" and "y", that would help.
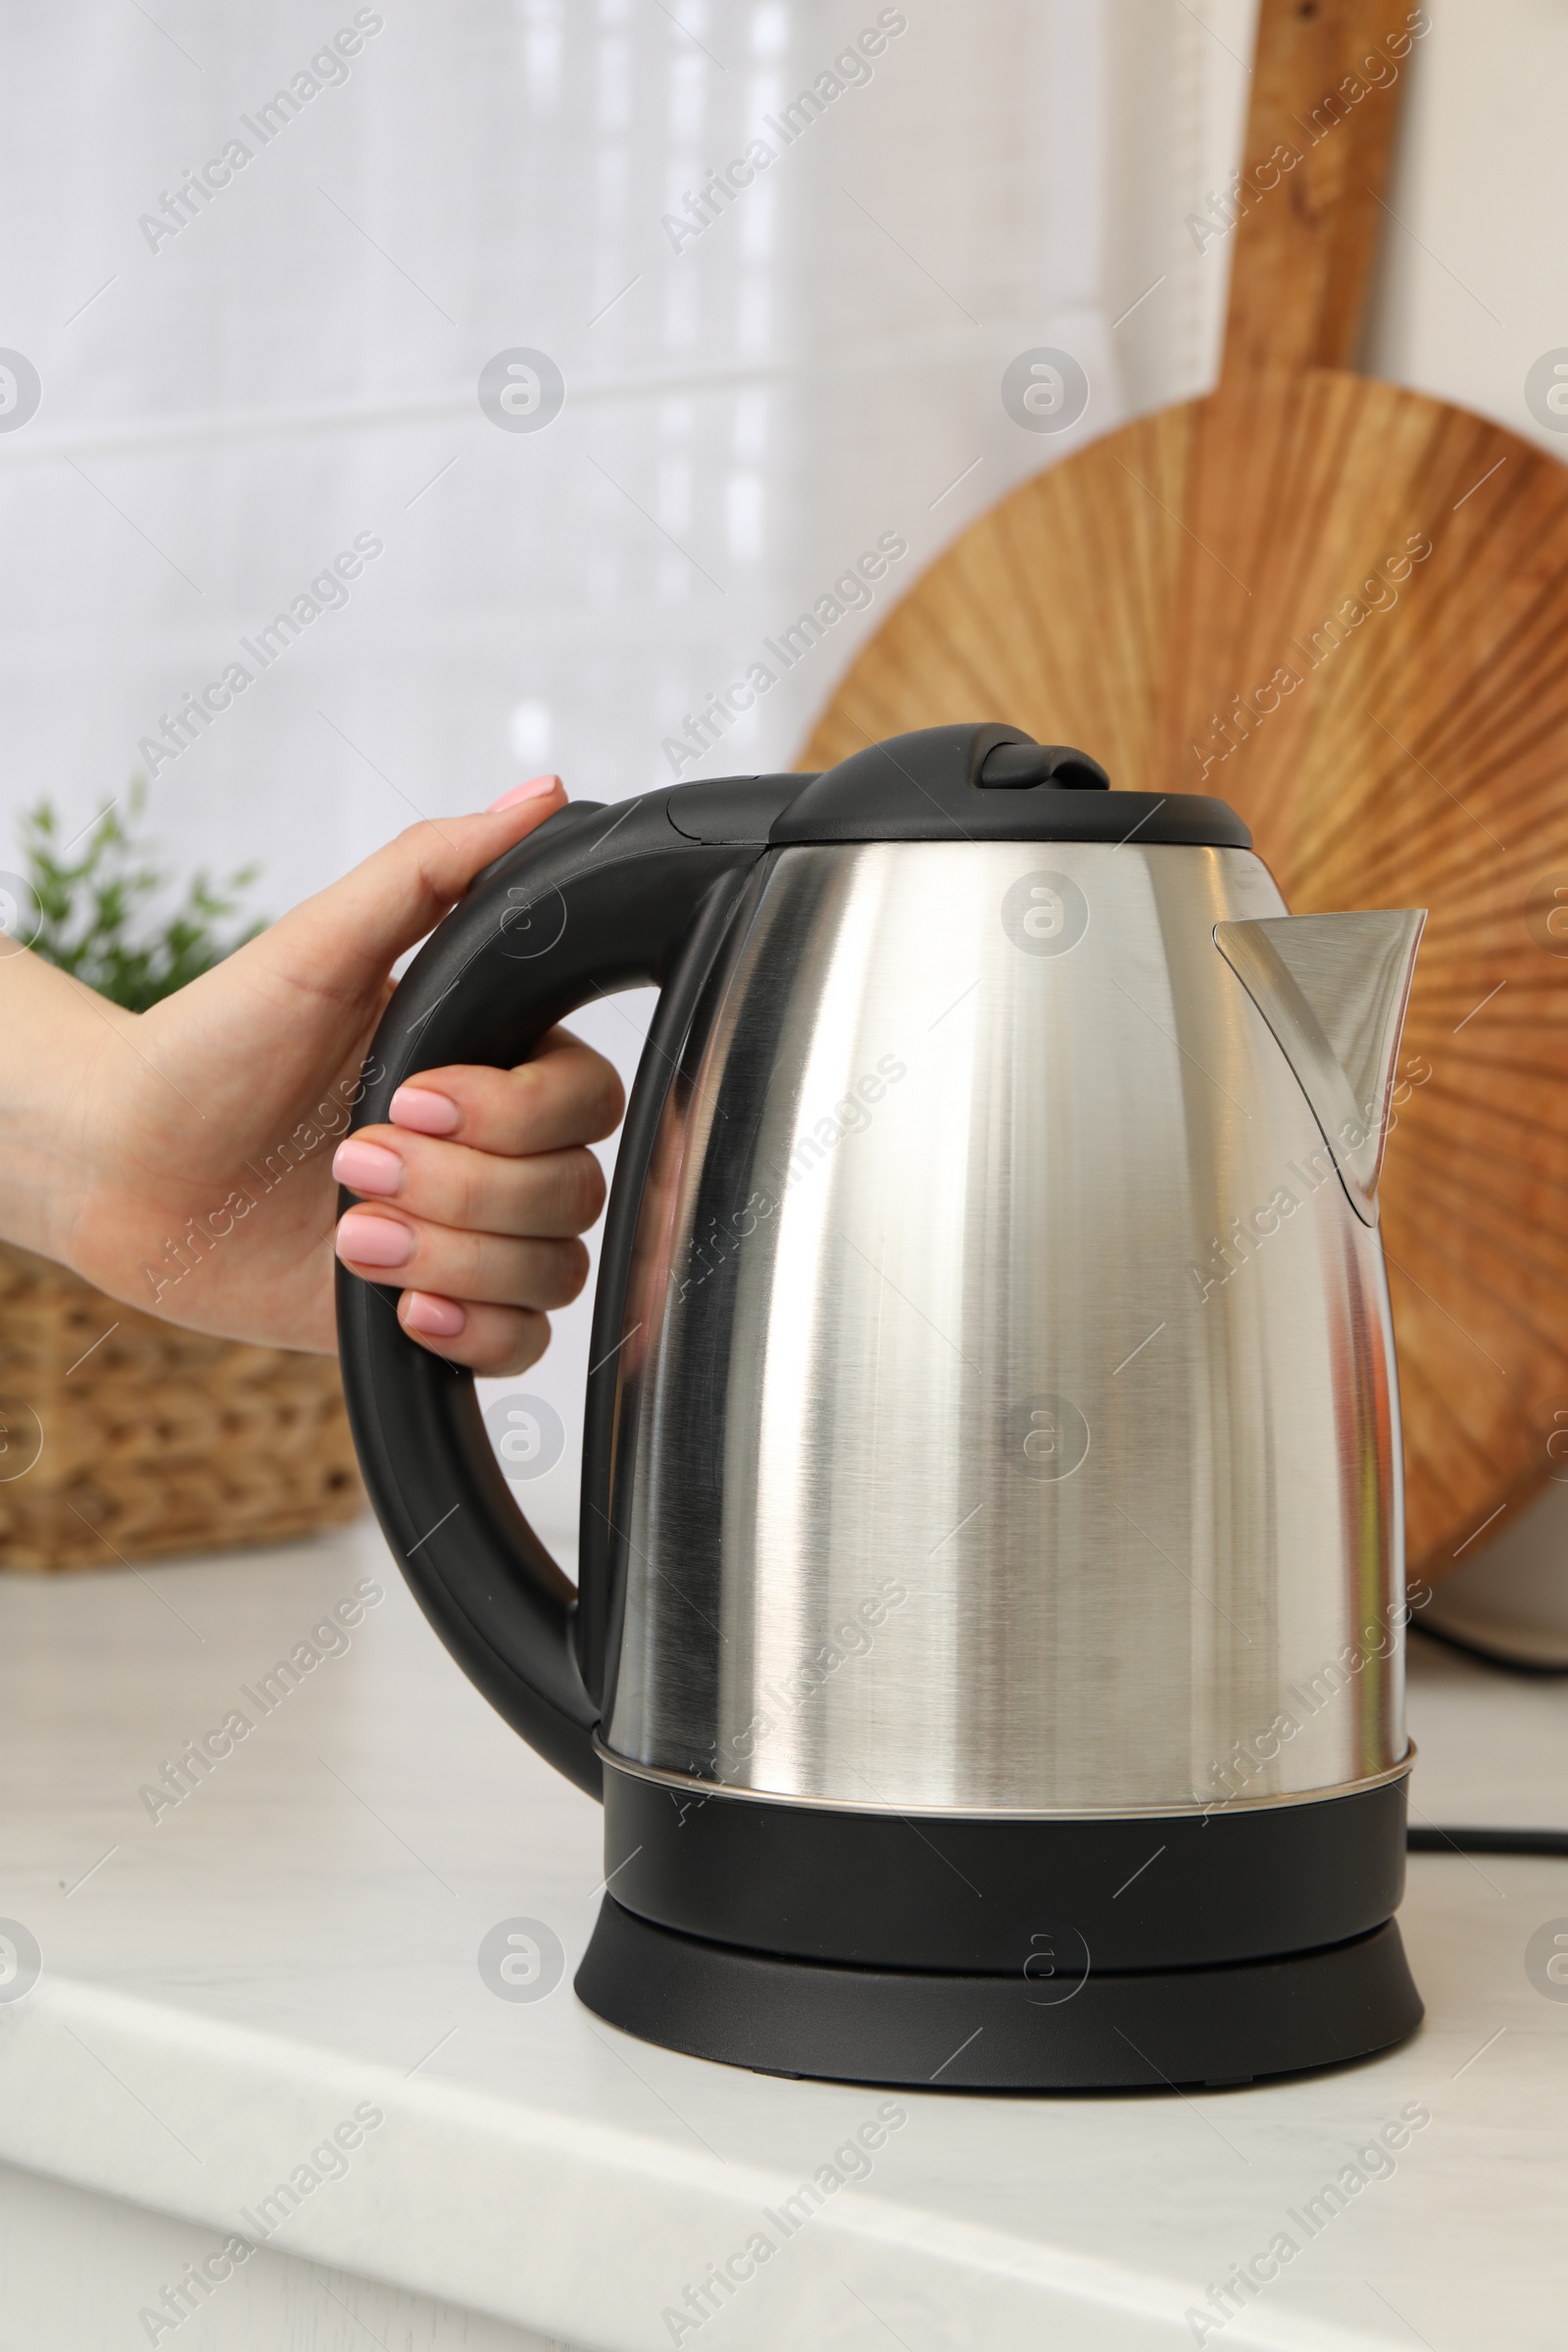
{"x": 992, "y": 783}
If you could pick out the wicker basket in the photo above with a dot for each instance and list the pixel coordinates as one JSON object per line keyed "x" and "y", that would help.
{"x": 123, "y": 1439}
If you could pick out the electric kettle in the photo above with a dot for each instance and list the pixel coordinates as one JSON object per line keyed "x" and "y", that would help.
{"x": 988, "y": 1641}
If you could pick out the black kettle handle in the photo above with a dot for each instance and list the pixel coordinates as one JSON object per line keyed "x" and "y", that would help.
{"x": 597, "y": 900}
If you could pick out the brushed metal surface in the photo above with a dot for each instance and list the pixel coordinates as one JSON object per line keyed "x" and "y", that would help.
{"x": 1009, "y": 1382}
{"x": 681, "y": 1785}
{"x": 1334, "y": 990}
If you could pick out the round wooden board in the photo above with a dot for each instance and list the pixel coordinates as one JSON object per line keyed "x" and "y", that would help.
{"x": 1418, "y": 758}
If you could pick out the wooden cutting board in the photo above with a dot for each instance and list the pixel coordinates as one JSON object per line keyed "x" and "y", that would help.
{"x": 1342, "y": 607}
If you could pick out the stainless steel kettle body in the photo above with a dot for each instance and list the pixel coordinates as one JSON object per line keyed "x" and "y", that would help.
{"x": 992, "y": 1477}
{"x": 1007, "y": 1382}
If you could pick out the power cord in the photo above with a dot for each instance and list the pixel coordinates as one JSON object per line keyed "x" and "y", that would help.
{"x": 1534, "y": 1668}
{"x": 1434, "y": 1840}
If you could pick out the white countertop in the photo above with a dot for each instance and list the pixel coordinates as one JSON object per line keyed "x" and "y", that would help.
{"x": 299, "y": 1936}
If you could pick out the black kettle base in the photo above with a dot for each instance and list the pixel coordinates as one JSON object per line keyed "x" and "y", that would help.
{"x": 1172, "y": 2028}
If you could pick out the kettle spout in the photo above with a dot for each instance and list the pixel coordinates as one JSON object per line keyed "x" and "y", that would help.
{"x": 1334, "y": 989}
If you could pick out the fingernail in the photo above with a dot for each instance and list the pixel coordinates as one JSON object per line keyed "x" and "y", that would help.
{"x": 437, "y": 1318}
{"x": 424, "y": 1111}
{"x": 367, "y": 1167}
{"x": 367, "y": 1241}
{"x": 535, "y": 789}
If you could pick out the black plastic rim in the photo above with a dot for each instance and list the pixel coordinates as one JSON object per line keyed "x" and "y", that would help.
{"x": 931, "y": 785}
{"x": 965, "y": 1894}
{"x": 1034, "y": 2032}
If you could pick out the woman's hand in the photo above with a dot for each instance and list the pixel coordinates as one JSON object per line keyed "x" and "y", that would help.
{"x": 182, "y": 1158}
{"x": 476, "y": 1196}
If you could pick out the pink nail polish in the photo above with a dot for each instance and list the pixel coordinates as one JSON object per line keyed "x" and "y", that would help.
{"x": 536, "y": 789}
{"x": 368, "y": 1241}
{"x": 424, "y": 1111}
{"x": 437, "y": 1318}
{"x": 368, "y": 1168}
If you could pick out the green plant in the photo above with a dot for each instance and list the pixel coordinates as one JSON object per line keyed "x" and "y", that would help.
{"x": 94, "y": 914}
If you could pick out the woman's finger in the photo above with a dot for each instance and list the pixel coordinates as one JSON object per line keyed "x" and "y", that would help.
{"x": 548, "y": 1193}
{"x": 565, "y": 1094}
{"x": 349, "y": 935}
{"x": 493, "y": 1269}
{"x": 493, "y": 1341}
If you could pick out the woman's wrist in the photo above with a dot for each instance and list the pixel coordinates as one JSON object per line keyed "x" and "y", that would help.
{"x": 56, "y": 1091}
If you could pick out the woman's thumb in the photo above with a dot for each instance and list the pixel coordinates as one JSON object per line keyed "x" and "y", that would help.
{"x": 355, "y": 931}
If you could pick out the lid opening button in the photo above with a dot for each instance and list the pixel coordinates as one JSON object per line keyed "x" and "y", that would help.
{"x": 1020, "y": 766}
